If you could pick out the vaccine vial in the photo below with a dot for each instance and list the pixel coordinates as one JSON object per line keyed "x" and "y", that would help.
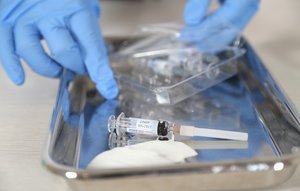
{"x": 129, "y": 125}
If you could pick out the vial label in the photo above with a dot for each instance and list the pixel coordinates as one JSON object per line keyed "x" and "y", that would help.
{"x": 143, "y": 126}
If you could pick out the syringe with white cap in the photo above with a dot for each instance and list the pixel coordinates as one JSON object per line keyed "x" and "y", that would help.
{"x": 130, "y": 125}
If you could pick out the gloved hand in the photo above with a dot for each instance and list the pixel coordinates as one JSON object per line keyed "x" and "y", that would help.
{"x": 234, "y": 12}
{"x": 70, "y": 29}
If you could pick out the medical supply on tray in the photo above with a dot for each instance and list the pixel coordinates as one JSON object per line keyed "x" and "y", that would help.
{"x": 172, "y": 62}
{"x": 146, "y": 154}
{"x": 129, "y": 125}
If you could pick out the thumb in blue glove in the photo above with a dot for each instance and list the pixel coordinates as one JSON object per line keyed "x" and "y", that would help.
{"x": 71, "y": 31}
{"x": 233, "y": 12}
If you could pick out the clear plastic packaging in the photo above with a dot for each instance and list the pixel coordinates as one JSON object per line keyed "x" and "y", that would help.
{"x": 171, "y": 62}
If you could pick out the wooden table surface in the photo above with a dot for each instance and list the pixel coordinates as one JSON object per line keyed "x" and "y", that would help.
{"x": 25, "y": 111}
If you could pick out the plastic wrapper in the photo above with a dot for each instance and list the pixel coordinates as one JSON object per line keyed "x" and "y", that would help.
{"x": 170, "y": 62}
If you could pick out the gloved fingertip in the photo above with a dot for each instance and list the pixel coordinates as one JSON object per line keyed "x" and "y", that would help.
{"x": 19, "y": 81}
{"x": 54, "y": 70}
{"x": 195, "y": 11}
{"x": 189, "y": 17}
{"x": 57, "y": 73}
{"x": 18, "y": 78}
{"x": 109, "y": 90}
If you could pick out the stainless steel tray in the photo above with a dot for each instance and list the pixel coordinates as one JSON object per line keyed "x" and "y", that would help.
{"x": 250, "y": 101}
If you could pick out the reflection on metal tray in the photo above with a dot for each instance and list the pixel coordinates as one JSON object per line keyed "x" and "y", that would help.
{"x": 250, "y": 101}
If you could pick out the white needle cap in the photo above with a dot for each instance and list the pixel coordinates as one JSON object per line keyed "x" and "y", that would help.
{"x": 213, "y": 133}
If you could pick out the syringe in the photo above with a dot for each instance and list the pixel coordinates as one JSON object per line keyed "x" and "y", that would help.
{"x": 140, "y": 126}
{"x": 123, "y": 125}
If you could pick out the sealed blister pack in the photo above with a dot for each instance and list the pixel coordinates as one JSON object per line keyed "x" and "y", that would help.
{"x": 171, "y": 62}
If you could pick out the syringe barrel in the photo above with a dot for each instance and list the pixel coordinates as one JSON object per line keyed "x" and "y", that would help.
{"x": 140, "y": 126}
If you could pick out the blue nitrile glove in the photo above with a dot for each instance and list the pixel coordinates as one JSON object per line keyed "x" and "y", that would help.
{"x": 234, "y": 12}
{"x": 71, "y": 31}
